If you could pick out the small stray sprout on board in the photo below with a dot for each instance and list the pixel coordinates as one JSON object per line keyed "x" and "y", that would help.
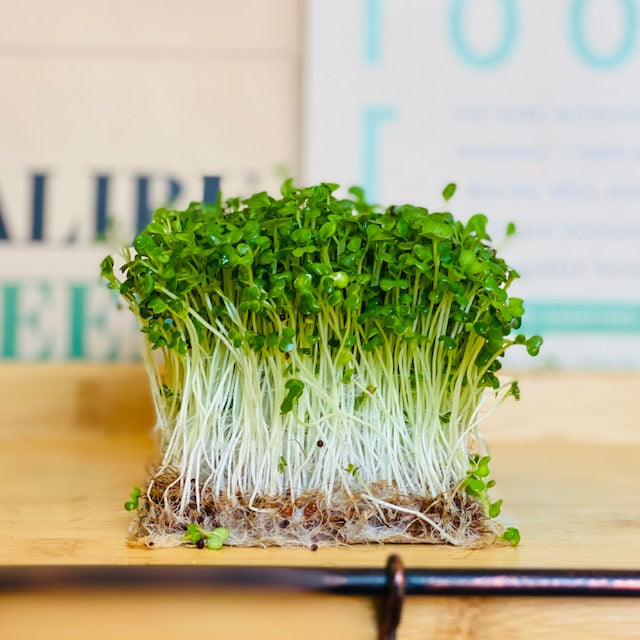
{"x": 202, "y": 538}
{"x": 133, "y": 502}
{"x": 512, "y": 535}
{"x": 477, "y": 485}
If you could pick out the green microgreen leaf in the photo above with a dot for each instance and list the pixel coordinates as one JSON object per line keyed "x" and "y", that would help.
{"x": 134, "y": 499}
{"x": 214, "y": 542}
{"x": 477, "y": 226}
{"x": 475, "y": 485}
{"x": 294, "y": 389}
{"x": 533, "y": 345}
{"x": 482, "y": 467}
{"x": 494, "y": 509}
{"x": 361, "y": 397}
{"x": 287, "y": 341}
{"x": 201, "y": 537}
{"x": 514, "y": 390}
{"x": 352, "y": 470}
{"x": 433, "y": 228}
{"x": 222, "y": 533}
{"x": 340, "y": 279}
{"x": 449, "y": 190}
{"x": 157, "y": 305}
{"x": 512, "y": 535}
{"x": 447, "y": 342}
{"x": 193, "y": 534}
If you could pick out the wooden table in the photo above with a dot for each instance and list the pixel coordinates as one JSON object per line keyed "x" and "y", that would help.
{"x": 75, "y": 438}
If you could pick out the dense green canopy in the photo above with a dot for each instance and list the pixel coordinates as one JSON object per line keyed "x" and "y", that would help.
{"x": 380, "y": 272}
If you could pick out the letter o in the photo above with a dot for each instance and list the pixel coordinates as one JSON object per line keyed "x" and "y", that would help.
{"x": 579, "y": 37}
{"x": 503, "y": 47}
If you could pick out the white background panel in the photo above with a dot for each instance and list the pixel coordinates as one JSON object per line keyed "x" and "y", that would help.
{"x": 532, "y": 108}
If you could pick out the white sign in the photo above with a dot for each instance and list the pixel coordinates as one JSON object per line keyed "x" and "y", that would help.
{"x": 109, "y": 110}
{"x": 532, "y": 108}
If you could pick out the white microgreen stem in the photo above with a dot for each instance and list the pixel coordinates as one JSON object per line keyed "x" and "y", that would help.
{"x": 229, "y": 434}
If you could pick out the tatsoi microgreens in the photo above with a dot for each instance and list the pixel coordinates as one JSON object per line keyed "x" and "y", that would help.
{"x": 283, "y": 322}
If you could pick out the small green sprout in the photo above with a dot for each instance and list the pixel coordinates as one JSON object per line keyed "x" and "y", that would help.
{"x": 514, "y": 390}
{"x": 477, "y": 485}
{"x": 202, "y": 538}
{"x": 494, "y": 509}
{"x": 511, "y": 535}
{"x": 474, "y": 484}
{"x": 293, "y": 386}
{"x": 361, "y": 397}
{"x": 132, "y": 503}
{"x": 282, "y": 464}
{"x": 448, "y": 192}
{"x": 352, "y": 469}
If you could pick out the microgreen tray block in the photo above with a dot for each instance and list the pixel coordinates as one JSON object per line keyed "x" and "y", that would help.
{"x": 320, "y": 366}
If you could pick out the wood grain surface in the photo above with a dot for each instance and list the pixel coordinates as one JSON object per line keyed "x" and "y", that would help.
{"x": 74, "y": 439}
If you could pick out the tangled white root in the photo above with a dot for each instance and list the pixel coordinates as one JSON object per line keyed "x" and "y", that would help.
{"x": 380, "y": 514}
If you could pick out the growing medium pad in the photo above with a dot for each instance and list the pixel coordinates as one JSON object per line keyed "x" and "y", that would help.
{"x": 319, "y": 368}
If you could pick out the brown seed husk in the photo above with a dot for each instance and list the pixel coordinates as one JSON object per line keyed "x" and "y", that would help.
{"x": 380, "y": 514}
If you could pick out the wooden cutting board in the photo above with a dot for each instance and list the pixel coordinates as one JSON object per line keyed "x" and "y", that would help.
{"x": 74, "y": 439}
